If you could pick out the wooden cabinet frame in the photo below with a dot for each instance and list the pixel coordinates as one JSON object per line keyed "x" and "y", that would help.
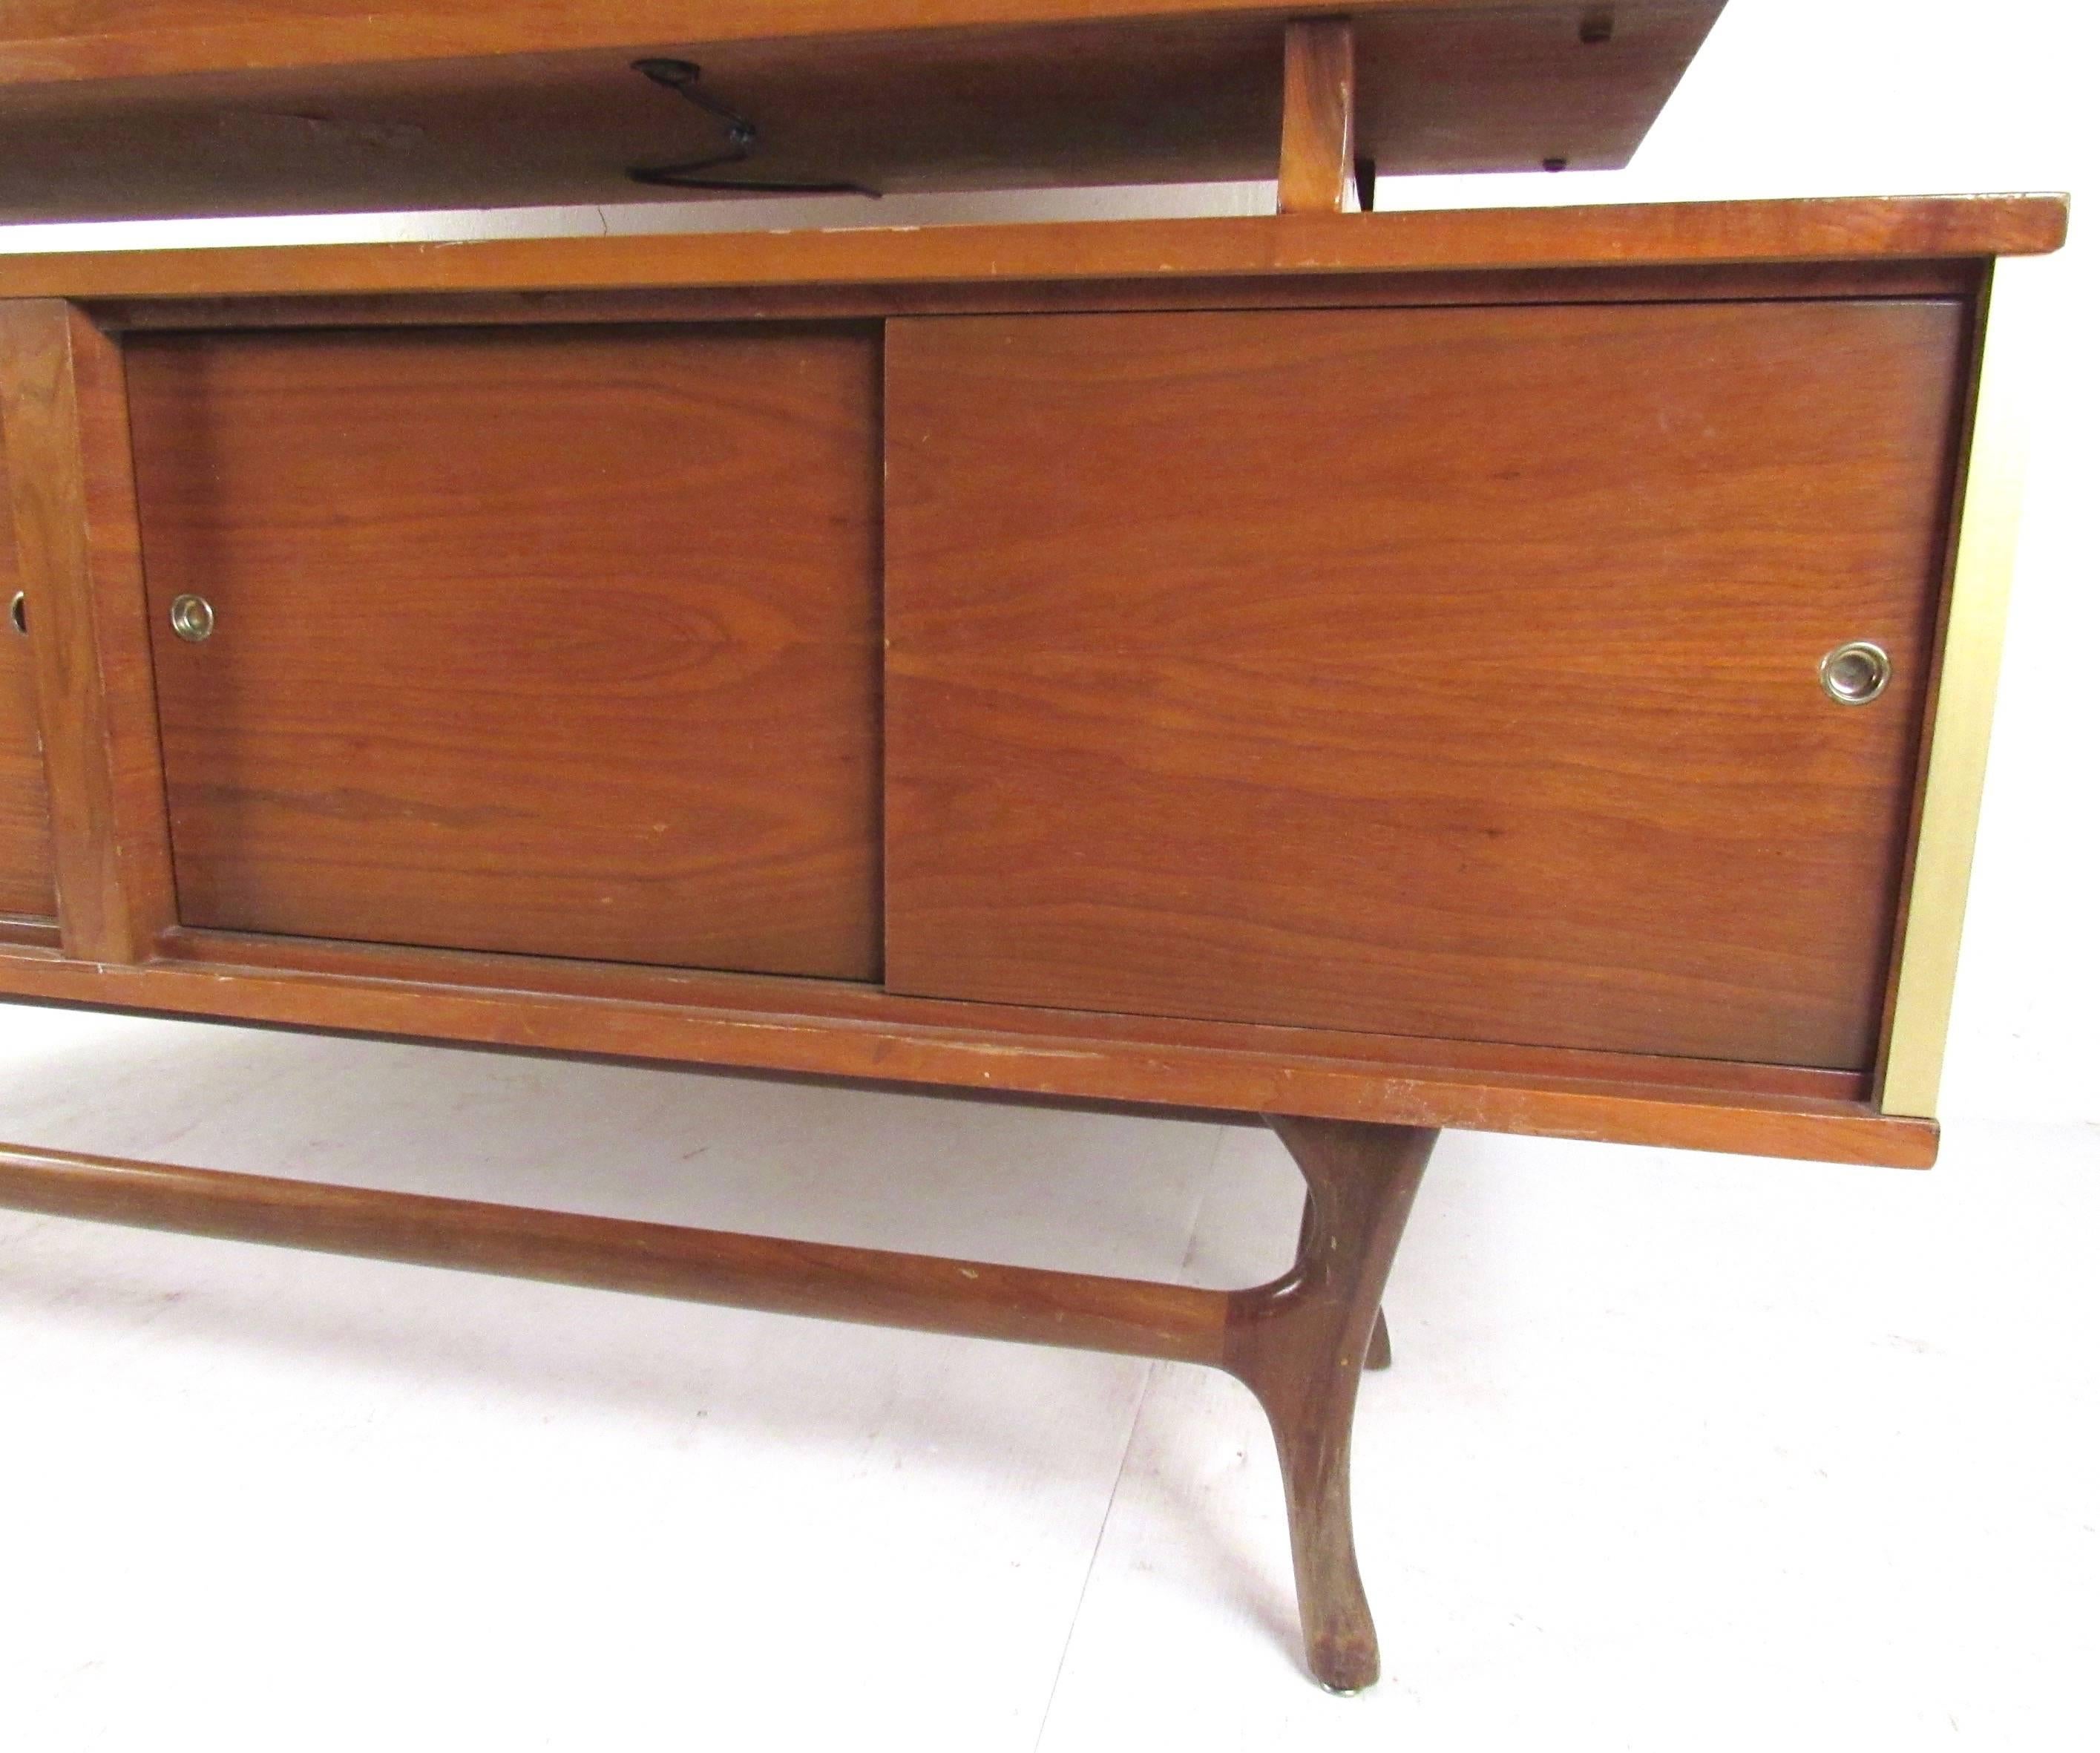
{"x": 1913, "y": 249}
{"x": 1358, "y": 1112}
{"x": 77, "y": 553}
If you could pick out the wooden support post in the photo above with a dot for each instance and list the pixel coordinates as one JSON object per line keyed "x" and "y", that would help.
{"x": 1300, "y": 1344}
{"x": 1318, "y": 168}
{"x": 1378, "y": 1355}
{"x": 77, "y": 544}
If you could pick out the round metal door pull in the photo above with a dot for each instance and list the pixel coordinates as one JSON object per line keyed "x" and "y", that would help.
{"x": 191, "y": 618}
{"x": 18, "y": 611}
{"x": 1855, "y": 673}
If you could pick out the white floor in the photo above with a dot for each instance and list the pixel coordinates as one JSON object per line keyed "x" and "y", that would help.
{"x": 1680, "y": 1453}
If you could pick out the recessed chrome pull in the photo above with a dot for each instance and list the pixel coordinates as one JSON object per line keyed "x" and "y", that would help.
{"x": 1855, "y": 673}
{"x": 18, "y": 611}
{"x": 191, "y": 618}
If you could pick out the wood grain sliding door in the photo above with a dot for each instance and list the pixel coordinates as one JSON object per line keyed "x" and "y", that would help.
{"x": 26, "y": 884}
{"x": 1448, "y": 671}
{"x": 561, "y": 641}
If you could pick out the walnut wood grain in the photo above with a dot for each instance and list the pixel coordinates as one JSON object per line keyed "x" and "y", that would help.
{"x": 1919, "y": 228}
{"x": 27, "y": 886}
{"x": 561, "y": 643}
{"x": 1317, "y": 172}
{"x": 1006, "y": 102}
{"x": 62, "y": 397}
{"x": 1481, "y": 703}
{"x": 1093, "y": 1065}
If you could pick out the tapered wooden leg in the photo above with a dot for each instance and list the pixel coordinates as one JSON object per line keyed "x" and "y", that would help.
{"x": 1378, "y": 1354}
{"x": 1301, "y": 1344}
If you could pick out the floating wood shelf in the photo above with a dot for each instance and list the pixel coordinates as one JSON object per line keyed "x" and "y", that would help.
{"x": 254, "y": 108}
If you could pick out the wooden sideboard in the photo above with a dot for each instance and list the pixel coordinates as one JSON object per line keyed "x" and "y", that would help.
{"x": 1366, "y": 666}
{"x": 1365, "y": 674}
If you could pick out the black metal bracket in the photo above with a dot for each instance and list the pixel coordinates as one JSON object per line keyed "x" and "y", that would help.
{"x": 739, "y": 141}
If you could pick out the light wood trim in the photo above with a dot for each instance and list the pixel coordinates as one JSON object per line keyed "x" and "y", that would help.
{"x": 1926, "y": 227}
{"x": 77, "y": 540}
{"x": 1986, "y": 545}
{"x": 1089, "y": 1068}
{"x": 1316, "y": 173}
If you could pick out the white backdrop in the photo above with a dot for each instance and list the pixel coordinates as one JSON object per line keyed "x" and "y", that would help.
{"x": 1788, "y": 97}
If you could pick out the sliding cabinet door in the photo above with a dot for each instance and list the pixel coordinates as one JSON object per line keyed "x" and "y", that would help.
{"x": 561, "y": 641}
{"x": 25, "y": 827}
{"x": 1448, "y": 671}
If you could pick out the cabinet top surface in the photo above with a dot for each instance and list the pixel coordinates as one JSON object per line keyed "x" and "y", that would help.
{"x": 1917, "y": 228}
{"x": 193, "y": 108}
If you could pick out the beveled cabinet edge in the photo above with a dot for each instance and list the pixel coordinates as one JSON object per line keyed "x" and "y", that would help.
{"x": 1958, "y": 740}
{"x": 1656, "y": 235}
{"x": 1940, "y": 277}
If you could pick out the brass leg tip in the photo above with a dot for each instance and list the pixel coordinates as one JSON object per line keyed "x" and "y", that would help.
{"x": 1347, "y": 1672}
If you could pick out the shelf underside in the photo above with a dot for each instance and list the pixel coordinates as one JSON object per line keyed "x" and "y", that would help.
{"x": 1166, "y": 100}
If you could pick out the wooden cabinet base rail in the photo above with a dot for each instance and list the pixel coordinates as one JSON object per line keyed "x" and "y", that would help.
{"x": 1300, "y": 1342}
